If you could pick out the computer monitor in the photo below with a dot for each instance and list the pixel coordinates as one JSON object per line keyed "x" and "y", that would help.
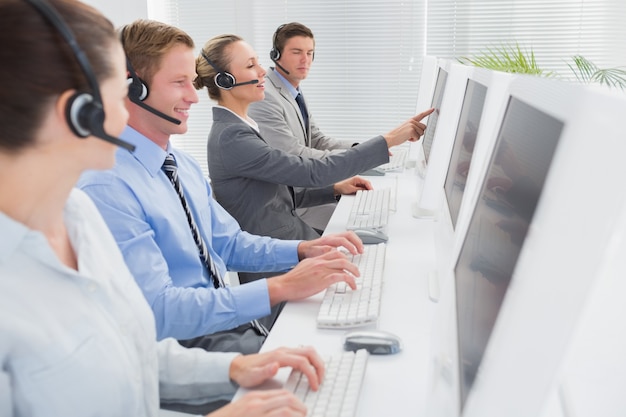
{"x": 495, "y": 104}
{"x": 432, "y": 87}
{"x": 431, "y": 128}
{"x": 461, "y": 156}
{"x": 450, "y": 344}
{"x": 486, "y": 95}
{"x": 428, "y": 79}
{"x": 510, "y": 192}
{"x": 510, "y": 361}
{"x": 563, "y": 256}
{"x": 439, "y": 135}
{"x": 483, "y": 89}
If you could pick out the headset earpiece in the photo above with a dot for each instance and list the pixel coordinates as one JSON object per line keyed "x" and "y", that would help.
{"x": 84, "y": 115}
{"x": 137, "y": 88}
{"x": 274, "y": 54}
{"x": 224, "y": 80}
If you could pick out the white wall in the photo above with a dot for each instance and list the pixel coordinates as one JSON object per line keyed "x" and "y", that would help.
{"x": 121, "y": 12}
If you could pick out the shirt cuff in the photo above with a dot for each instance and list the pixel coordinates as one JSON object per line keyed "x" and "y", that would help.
{"x": 252, "y": 300}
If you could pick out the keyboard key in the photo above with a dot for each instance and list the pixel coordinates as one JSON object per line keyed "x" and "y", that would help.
{"x": 338, "y": 394}
{"x": 344, "y": 308}
{"x": 370, "y": 209}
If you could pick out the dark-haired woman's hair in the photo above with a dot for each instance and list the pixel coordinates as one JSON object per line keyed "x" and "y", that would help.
{"x": 37, "y": 64}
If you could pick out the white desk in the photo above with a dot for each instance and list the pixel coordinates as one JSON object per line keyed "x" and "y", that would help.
{"x": 394, "y": 384}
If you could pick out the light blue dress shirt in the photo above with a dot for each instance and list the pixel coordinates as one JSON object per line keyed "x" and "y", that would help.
{"x": 145, "y": 215}
{"x": 82, "y": 342}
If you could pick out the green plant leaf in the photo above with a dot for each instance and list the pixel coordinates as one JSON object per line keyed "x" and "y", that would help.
{"x": 583, "y": 69}
{"x": 612, "y": 77}
{"x": 587, "y": 72}
{"x": 506, "y": 58}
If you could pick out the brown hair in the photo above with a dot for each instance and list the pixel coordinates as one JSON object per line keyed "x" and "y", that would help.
{"x": 216, "y": 50}
{"x": 37, "y": 64}
{"x": 287, "y": 31}
{"x": 147, "y": 41}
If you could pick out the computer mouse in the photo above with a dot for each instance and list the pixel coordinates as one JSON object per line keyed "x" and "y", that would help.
{"x": 373, "y": 172}
{"x": 371, "y": 236}
{"x": 376, "y": 342}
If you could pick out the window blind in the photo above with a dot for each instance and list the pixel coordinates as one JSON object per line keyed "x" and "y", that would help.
{"x": 554, "y": 30}
{"x": 365, "y": 77}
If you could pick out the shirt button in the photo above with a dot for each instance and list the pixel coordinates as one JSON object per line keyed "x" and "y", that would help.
{"x": 92, "y": 287}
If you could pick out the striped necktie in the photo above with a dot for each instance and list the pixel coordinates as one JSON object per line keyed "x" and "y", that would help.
{"x": 171, "y": 171}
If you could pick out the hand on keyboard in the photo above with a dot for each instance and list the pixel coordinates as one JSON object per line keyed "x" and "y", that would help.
{"x": 342, "y": 308}
{"x": 264, "y": 403}
{"x": 352, "y": 185}
{"x": 252, "y": 370}
{"x": 340, "y": 389}
{"x": 312, "y": 276}
{"x": 346, "y": 240}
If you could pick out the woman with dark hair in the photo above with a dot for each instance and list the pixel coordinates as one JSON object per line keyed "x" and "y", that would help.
{"x": 77, "y": 337}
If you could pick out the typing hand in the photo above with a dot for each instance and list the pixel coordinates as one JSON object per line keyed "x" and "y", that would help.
{"x": 352, "y": 185}
{"x": 263, "y": 403}
{"x": 312, "y": 276}
{"x": 252, "y": 370}
{"x": 348, "y": 240}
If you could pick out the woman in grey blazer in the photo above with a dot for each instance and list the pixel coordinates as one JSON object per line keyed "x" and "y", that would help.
{"x": 259, "y": 185}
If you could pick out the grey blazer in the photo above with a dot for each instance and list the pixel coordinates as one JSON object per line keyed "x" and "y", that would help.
{"x": 281, "y": 123}
{"x": 255, "y": 182}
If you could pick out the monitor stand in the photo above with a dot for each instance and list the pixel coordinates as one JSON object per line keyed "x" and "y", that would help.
{"x": 422, "y": 213}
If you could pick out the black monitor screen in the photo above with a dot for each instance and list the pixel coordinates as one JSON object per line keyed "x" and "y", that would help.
{"x": 461, "y": 156}
{"x": 440, "y": 86}
{"x": 509, "y": 195}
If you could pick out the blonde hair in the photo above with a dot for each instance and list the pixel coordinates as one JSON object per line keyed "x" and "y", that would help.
{"x": 147, "y": 41}
{"x": 216, "y": 50}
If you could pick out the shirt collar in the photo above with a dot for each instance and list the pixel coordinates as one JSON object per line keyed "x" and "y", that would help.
{"x": 292, "y": 90}
{"x": 254, "y": 125}
{"x": 14, "y": 233}
{"x": 148, "y": 153}
{"x": 76, "y": 221}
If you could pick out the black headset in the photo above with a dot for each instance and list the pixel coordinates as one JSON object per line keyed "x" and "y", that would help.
{"x": 275, "y": 52}
{"x": 224, "y": 79}
{"x": 138, "y": 89}
{"x": 84, "y": 111}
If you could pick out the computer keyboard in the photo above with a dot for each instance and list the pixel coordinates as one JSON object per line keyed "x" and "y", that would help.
{"x": 339, "y": 391}
{"x": 370, "y": 209}
{"x": 343, "y": 307}
{"x": 397, "y": 160}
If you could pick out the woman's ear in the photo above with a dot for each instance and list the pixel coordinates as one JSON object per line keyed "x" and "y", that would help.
{"x": 61, "y": 107}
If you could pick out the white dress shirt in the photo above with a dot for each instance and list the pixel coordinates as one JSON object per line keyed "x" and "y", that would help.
{"x": 83, "y": 343}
